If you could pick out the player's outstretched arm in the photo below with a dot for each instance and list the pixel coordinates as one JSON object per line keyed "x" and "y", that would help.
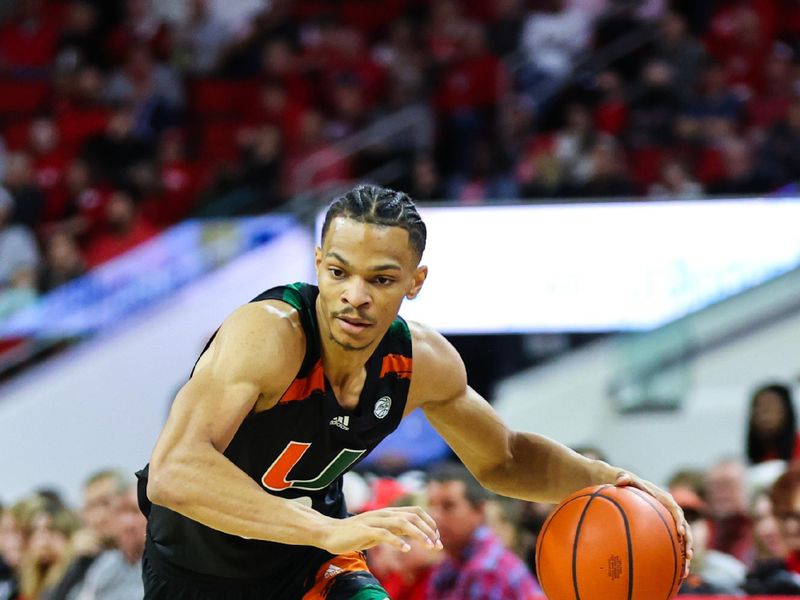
{"x": 253, "y": 359}
{"x": 516, "y": 464}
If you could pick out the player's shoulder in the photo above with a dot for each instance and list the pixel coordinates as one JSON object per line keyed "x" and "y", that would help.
{"x": 264, "y": 331}
{"x": 439, "y": 371}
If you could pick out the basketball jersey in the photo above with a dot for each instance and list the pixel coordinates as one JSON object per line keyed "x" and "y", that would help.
{"x": 298, "y": 449}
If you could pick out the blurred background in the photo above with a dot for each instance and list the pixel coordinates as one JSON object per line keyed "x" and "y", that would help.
{"x": 610, "y": 188}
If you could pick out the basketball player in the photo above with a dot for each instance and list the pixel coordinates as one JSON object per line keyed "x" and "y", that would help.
{"x": 244, "y": 488}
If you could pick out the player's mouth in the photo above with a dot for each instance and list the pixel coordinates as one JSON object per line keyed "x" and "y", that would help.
{"x": 353, "y": 325}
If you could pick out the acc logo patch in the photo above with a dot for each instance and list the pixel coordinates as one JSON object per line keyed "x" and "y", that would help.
{"x": 382, "y": 407}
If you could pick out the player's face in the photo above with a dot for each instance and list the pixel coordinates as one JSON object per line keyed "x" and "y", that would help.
{"x": 364, "y": 272}
{"x": 456, "y": 518}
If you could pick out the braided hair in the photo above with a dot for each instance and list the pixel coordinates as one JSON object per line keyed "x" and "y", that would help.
{"x": 379, "y": 206}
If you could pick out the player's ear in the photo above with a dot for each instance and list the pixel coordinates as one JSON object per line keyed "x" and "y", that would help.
{"x": 419, "y": 278}
{"x": 317, "y": 257}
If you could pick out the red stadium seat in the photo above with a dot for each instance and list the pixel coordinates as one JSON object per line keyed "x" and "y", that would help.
{"x": 221, "y": 97}
{"x": 22, "y": 97}
{"x": 218, "y": 140}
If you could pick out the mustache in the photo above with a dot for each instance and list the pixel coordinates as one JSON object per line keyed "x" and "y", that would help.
{"x": 353, "y": 314}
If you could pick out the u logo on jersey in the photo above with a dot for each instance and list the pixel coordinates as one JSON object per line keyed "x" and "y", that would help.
{"x": 275, "y": 478}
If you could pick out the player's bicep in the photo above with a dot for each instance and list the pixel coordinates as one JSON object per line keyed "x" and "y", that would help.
{"x": 253, "y": 355}
{"x": 210, "y": 407}
{"x": 473, "y": 430}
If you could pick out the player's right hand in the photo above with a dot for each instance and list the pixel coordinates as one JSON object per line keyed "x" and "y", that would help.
{"x": 386, "y": 526}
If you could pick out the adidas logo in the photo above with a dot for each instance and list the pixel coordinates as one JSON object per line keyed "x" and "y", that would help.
{"x": 333, "y": 570}
{"x": 341, "y": 422}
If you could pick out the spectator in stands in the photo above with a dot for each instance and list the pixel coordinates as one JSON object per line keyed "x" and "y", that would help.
{"x": 740, "y": 175}
{"x": 731, "y": 527}
{"x": 426, "y": 183}
{"x": 80, "y": 109}
{"x": 117, "y": 573}
{"x": 770, "y": 105}
{"x": 504, "y": 30}
{"x": 780, "y": 153}
{"x": 574, "y": 145}
{"x": 711, "y": 571}
{"x": 768, "y": 575}
{"x": 468, "y": 90}
{"x": 609, "y": 173}
{"x": 772, "y": 426}
{"x": 97, "y": 534}
{"x": 675, "y": 182}
{"x": 81, "y": 40}
{"x": 48, "y": 552}
{"x": 552, "y": 39}
{"x": 201, "y": 39}
{"x": 714, "y": 103}
{"x": 476, "y": 565}
{"x": 653, "y": 107}
{"x": 63, "y": 262}
{"x": 18, "y": 249}
{"x": 402, "y": 54}
{"x": 315, "y": 162}
{"x": 20, "y": 182}
{"x": 503, "y": 516}
{"x": 786, "y": 506}
{"x": 140, "y": 25}
{"x": 740, "y": 38}
{"x": 611, "y": 112}
{"x": 28, "y": 40}
{"x": 125, "y": 228}
{"x": 152, "y": 90}
{"x": 15, "y": 530}
{"x": 112, "y": 154}
{"x": 682, "y": 52}
{"x": 487, "y": 180}
{"x": 178, "y": 178}
{"x": 261, "y": 168}
{"x": 50, "y": 162}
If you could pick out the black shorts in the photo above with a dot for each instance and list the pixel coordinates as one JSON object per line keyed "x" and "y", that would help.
{"x": 347, "y": 579}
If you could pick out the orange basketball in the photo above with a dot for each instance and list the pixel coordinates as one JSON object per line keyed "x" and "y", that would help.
{"x": 609, "y": 543}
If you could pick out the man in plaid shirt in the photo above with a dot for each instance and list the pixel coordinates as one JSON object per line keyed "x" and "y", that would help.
{"x": 477, "y": 566}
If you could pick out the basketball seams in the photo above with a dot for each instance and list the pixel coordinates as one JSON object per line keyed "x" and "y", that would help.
{"x": 646, "y": 497}
{"x": 544, "y": 531}
{"x": 627, "y": 538}
{"x": 575, "y": 542}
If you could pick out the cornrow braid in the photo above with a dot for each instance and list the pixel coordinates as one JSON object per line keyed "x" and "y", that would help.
{"x": 379, "y": 206}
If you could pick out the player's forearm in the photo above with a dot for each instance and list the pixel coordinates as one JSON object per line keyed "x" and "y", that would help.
{"x": 542, "y": 470}
{"x": 205, "y": 486}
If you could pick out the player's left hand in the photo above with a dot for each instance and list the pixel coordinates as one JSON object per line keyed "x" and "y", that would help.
{"x": 684, "y": 531}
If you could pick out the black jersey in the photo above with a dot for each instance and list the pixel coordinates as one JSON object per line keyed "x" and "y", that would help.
{"x": 299, "y": 449}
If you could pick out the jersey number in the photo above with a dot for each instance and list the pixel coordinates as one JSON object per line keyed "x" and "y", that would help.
{"x": 275, "y": 478}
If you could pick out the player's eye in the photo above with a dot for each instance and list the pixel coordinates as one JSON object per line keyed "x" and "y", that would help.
{"x": 383, "y": 280}
{"x": 336, "y": 272}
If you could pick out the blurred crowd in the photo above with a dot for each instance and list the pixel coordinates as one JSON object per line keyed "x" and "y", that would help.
{"x": 118, "y": 119}
{"x": 744, "y": 510}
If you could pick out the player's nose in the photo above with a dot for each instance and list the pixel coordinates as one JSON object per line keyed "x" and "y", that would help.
{"x": 356, "y": 294}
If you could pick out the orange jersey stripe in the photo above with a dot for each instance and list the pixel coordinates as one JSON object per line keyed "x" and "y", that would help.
{"x": 302, "y": 388}
{"x": 398, "y": 364}
{"x": 350, "y": 562}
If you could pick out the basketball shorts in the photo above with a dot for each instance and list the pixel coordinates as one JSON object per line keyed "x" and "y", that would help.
{"x": 343, "y": 577}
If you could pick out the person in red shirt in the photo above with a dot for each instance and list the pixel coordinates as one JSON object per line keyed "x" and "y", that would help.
{"x": 126, "y": 228}
{"x": 786, "y": 506}
{"x": 772, "y": 425}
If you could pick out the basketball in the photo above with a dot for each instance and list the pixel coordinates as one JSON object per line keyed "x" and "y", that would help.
{"x": 609, "y": 543}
